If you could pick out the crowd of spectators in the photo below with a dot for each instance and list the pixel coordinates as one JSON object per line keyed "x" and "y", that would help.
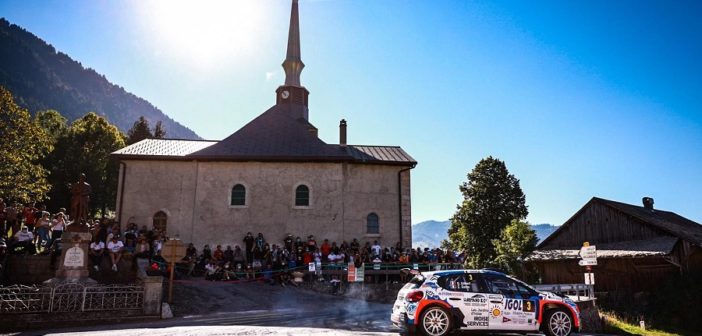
{"x": 258, "y": 257}
{"x": 32, "y": 229}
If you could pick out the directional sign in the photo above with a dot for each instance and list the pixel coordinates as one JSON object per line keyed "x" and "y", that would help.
{"x": 588, "y": 252}
{"x": 587, "y": 262}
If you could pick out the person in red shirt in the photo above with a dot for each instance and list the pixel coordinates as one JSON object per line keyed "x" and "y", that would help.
{"x": 218, "y": 254}
{"x": 28, "y": 215}
{"x": 325, "y": 249}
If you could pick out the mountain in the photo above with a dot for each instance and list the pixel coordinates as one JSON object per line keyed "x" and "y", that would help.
{"x": 42, "y": 78}
{"x": 431, "y": 233}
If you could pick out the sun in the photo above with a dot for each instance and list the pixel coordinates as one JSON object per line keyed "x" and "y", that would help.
{"x": 203, "y": 33}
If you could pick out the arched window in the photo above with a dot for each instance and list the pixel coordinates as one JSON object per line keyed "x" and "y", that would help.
{"x": 372, "y": 223}
{"x": 302, "y": 195}
{"x": 238, "y": 195}
{"x": 160, "y": 221}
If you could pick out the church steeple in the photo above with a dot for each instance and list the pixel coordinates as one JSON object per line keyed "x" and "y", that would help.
{"x": 293, "y": 62}
{"x": 292, "y": 93}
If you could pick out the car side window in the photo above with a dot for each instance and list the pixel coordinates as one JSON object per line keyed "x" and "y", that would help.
{"x": 504, "y": 286}
{"x": 460, "y": 283}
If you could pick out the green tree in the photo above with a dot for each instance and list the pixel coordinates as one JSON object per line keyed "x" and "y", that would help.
{"x": 139, "y": 131}
{"x": 159, "y": 131}
{"x": 91, "y": 139}
{"x": 516, "y": 242}
{"x": 56, "y": 126}
{"x": 492, "y": 198}
{"x": 24, "y": 144}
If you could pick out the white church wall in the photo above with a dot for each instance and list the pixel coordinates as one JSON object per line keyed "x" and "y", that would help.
{"x": 341, "y": 197}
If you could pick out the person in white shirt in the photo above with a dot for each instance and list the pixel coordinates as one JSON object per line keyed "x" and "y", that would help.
{"x": 97, "y": 250}
{"x": 115, "y": 247}
{"x": 25, "y": 238}
{"x": 376, "y": 249}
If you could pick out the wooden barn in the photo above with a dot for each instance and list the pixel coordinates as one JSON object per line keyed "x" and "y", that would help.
{"x": 637, "y": 246}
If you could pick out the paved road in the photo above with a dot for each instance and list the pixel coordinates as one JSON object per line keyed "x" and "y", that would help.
{"x": 205, "y": 308}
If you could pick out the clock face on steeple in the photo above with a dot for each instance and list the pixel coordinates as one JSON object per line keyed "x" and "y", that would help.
{"x": 285, "y": 94}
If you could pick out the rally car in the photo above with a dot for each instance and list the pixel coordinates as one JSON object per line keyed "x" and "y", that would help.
{"x": 437, "y": 303}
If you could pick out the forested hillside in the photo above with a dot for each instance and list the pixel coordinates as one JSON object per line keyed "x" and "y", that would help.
{"x": 42, "y": 78}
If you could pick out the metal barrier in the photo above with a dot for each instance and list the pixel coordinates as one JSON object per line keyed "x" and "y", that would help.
{"x": 70, "y": 297}
{"x": 578, "y": 291}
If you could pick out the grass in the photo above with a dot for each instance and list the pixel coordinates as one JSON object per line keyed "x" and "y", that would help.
{"x": 615, "y": 325}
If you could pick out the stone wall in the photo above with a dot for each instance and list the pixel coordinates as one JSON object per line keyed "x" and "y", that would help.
{"x": 196, "y": 198}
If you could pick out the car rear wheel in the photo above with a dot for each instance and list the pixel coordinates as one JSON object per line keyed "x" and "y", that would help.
{"x": 435, "y": 321}
{"x": 558, "y": 323}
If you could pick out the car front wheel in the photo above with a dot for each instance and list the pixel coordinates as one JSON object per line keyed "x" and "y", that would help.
{"x": 558, "y": 323}
{"x": 436, "y": 321}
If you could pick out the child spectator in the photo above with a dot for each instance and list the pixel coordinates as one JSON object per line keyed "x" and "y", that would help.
{"x": 115, "y": 247}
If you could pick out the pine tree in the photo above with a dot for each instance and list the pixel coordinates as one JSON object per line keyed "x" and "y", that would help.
{"x": 139, "y": 131}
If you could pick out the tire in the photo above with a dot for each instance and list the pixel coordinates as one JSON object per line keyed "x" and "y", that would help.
{"x": 435, "y": 321}
{"x": 558, "y": 322}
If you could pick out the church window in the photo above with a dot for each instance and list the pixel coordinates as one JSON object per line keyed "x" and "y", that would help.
{"x": 302, "y": 196}
{"x": 238, "y": 195}
{"x": 372, "y": 223}
{"x": 160, "y": 221}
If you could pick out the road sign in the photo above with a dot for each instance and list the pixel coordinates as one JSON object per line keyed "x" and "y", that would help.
{"x": 173, "y": 250}
{"x": 588, "y": 252}
{"x": 587, "y": 262}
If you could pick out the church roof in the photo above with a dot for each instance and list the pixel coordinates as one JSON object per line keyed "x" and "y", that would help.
{"x": 272, "y": 136}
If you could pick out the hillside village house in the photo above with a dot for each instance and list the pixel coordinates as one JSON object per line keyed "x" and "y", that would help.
{"x": 637, "y": 246}
{"x": 274, "y": 176}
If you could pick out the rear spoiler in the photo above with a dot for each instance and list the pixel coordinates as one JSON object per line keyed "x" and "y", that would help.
{"x": 406, "y": 271}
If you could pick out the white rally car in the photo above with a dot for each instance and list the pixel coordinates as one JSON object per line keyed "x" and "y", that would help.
{"x": 437, "y": 303}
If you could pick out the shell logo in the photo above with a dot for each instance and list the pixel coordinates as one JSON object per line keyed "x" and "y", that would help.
{"x": 496, "y": 312}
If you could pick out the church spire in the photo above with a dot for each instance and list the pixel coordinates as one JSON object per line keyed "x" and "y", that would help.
{"x": 292, "y": 94}
{"x": 293, "y": 62}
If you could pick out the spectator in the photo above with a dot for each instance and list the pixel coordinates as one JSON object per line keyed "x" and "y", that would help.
{"x": 42, "y": 229}
{"x": 257, "y": 257}
{"x": 218, "y": 254}
{"x": 57, "y": 227}
{"x": 115, "y": 247}
{"x": 288, "y": 241}
{"x": 260, "y": 241}
{"x": 24, "y": 239}
{"x": 207, "y": 253}
{"x": 238, "y": 258}
{"x": 28, "y": 214}
{"x": 376, "y": 249}
{"x": 96, "y": 251}
{"x": 311, "y": 244}
{"x": 249, "y": 244}
{"x": 142, "y": 249}
{"x": 355, "y": 246}
{"x": 229, "y": 254}
{"x": 157, "y": 245}
{"x": 325, "y": 249}
{"x": 212, "y": 270}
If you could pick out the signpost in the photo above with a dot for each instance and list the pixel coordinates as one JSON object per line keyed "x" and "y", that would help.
{"x": 588, "y": 258}
{"x": 172, "y": 251}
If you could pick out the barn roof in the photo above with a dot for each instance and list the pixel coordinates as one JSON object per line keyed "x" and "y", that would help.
{"x": 660, "y": 246}
{"x": 667, "y": 221}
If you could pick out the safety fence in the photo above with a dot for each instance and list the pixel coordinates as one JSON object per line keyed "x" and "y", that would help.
{"x": 70, "y": 297}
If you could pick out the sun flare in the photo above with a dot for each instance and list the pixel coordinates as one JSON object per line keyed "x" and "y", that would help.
{"x": 202, "y": 33}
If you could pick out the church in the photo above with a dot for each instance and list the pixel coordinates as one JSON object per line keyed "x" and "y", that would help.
{"x": 273, "y": 175}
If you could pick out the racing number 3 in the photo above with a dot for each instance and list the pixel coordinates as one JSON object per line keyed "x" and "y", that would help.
{"x": 529, "y": 306}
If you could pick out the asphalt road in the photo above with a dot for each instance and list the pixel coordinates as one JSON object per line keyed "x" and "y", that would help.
{"x": 205, "y": 308}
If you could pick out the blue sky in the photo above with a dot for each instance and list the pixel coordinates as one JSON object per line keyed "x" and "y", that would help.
{"x": 579, "y": 98}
